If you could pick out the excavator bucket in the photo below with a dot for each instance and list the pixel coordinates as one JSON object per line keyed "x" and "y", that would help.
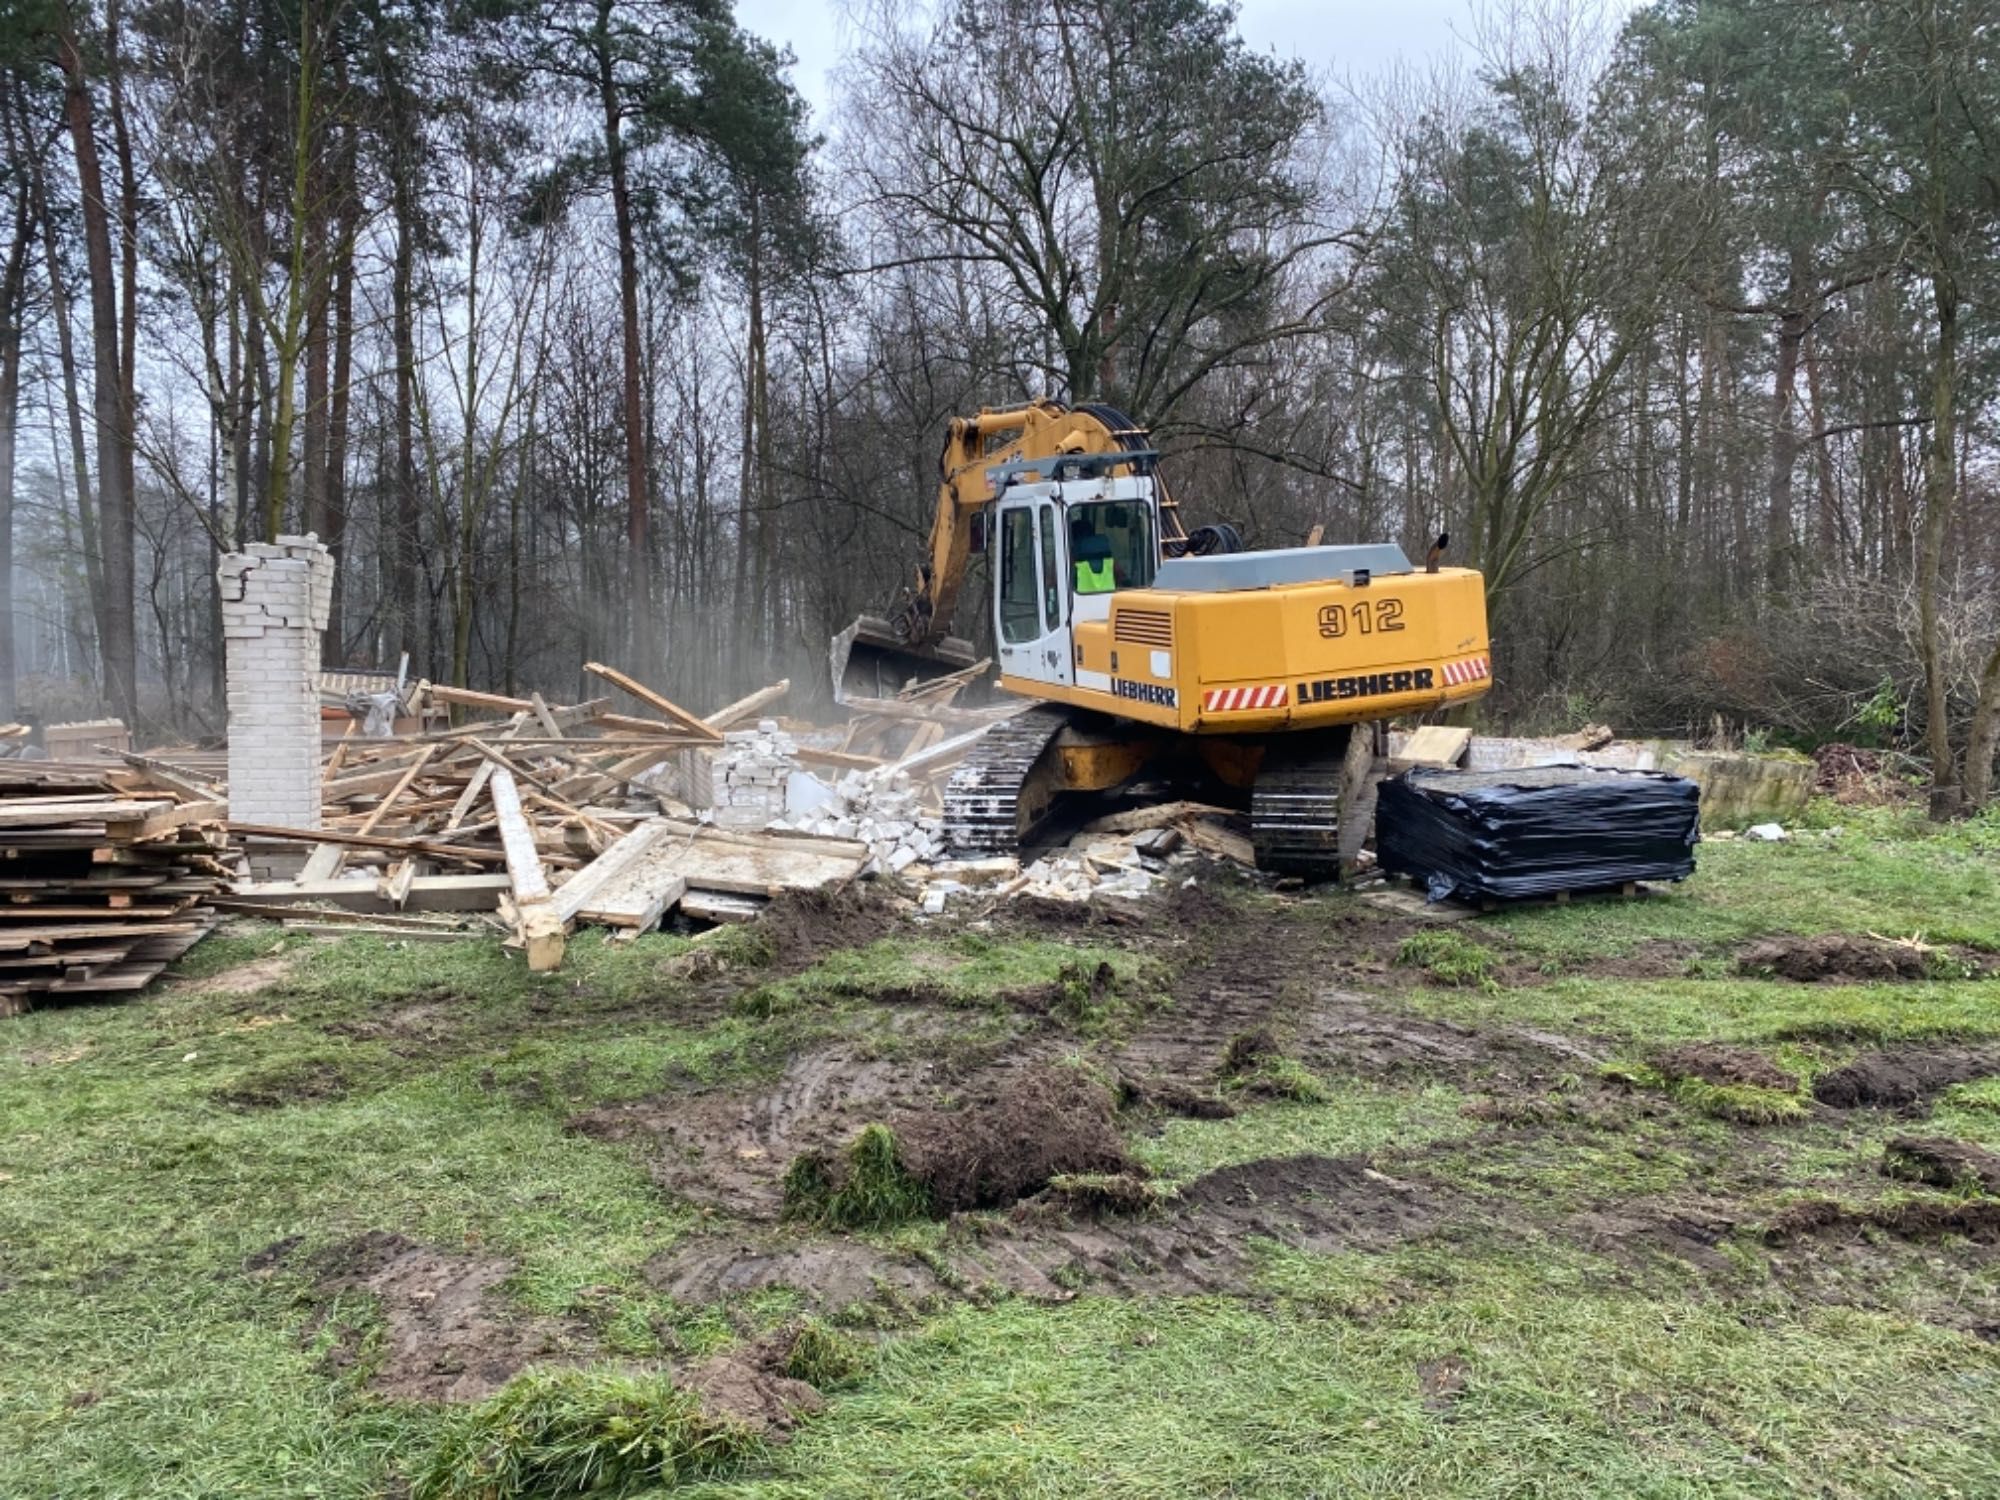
{"x": 870, "y": 660}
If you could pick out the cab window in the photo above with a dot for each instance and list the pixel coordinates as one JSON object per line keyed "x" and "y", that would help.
{"x": 1111, "y": 546}
{"x": 1020, "y": 602}
{"x": 1051, "y": 577}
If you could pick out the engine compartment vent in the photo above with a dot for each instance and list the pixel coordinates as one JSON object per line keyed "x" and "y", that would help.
{"x": 1143, "y": 627}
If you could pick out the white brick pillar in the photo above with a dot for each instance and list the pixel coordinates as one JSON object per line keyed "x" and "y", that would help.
{"x": 275, "y": 598}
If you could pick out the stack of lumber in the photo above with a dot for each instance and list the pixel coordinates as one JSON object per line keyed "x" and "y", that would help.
{"x": 102, "y": 880}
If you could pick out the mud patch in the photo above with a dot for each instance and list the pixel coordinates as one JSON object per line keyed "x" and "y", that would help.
{"x": 831, "y": 1273}
{"x": 1957, "y": 1166}
{"x": 748, "y": 1384}
{"x": 1201, "y": 1241}
{"x": 729, "y": 1148}
{"x": 1714, "y": 1062}
{"x": 1904, "y": 1078}
{"x": 307, "y": 1081}
{"x": 1342, "y": 1032}
{"x": 447, "y": 1333}
{"x": 1833, "y": 956}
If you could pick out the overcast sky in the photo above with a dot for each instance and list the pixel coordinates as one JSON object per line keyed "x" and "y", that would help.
{"x": 1336, "y": 36}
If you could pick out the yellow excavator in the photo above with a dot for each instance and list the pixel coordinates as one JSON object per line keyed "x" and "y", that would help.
{"x": 1152, "y": 650}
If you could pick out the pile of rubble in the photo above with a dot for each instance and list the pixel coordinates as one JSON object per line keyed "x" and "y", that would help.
{"x": 885, "y": 811}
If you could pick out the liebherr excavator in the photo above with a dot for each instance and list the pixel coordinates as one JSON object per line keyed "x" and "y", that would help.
{"x": 1155, "y": 650}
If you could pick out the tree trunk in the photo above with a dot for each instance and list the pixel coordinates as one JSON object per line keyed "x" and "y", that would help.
{"x": 114, "y": 498}
{"x": 13, "y": 289}
{"x": 1778, "y": 540}
{"x": 1940, "y": 485}
{"x": 335, "y": 520}
{"x": 639, "y": 606}
{"x": 403, "y": 543}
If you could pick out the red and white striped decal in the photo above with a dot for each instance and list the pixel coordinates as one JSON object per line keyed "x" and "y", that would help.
{"x": 1472, "y": 669}
{"x": 1234, "y": 700}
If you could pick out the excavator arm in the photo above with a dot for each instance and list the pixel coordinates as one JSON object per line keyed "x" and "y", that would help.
{"x": 915, "y": 638}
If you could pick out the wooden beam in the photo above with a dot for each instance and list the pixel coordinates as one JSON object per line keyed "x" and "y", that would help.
{"x": 537, "y": 926}
{"x": 581, "y": 888}
{"x": 328, "y": 858}
{"x": 445, "y": 893}
{"x": 425, "y": 847}
{"x": 653, "y": 700}
{"x": 745, "y": 706}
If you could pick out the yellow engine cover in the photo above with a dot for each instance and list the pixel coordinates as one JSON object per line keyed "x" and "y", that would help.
{"x": 1291, "y": 656}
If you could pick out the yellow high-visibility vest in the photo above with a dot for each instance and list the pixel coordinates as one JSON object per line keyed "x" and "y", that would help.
{"x": 1094, "y": 577}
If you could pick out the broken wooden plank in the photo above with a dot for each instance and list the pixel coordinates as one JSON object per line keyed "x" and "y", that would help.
{"x": 537, "y": 927}
{"x": 517, "y": 838}
{"x": 748, "y": 705}
{"x": 428, "y": 893}
{"x": 653, "y": 700}
{"x": 577, "y": 891}
{"x": 1434, "y": 746}
{"x": 428, "y": 848}
{"x": 719, "y": 906}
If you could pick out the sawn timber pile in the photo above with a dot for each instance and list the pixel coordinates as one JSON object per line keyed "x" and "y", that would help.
{"x": 102, "y": 884}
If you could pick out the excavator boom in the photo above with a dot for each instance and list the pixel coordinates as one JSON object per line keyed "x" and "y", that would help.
{"x": 877, "y": 654}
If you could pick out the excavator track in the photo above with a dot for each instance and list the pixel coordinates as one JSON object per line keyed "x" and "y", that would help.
{"x": 1295, "y": 806}
{"x": 992, "y": 801}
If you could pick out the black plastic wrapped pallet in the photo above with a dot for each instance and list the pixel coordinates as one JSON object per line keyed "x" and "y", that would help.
{"x": 1504, "y": 835}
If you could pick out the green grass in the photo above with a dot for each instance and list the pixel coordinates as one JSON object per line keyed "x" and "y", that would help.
{"x": 1351, "y": 1118}
{"x": 868, "y": 1189}
{"x": 1448, "y": 957}
{"x": 429, "y": 1089}
{"x": 1571, "y": 1388}
{"x": 572, "y": 1432}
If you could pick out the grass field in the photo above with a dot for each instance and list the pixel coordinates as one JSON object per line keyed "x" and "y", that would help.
{"x": 1566, "y": 1201}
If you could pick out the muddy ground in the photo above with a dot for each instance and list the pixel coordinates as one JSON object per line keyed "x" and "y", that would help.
{"x": 1235, "y": 990}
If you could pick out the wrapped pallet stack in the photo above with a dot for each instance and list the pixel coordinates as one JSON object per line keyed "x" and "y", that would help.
{"x": 1537, "y": 831}
{"x": 100, "y": 888}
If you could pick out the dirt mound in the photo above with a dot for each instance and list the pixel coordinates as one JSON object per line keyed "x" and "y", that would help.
{"x": 748, "y": 1384}
{"x": 1903, "y": 1078}
{"x": 1850, "y": 774}
{"x": 1006, "y": 1141}
{"x": 1714, "y": 1062}
{"x": 1833, "y": 955}
{"x": 1917, "y": 1218}
{"x": 800, "y": 926}
{"x": 1957, "y": 1166}
{"x": 447, "y": 1332}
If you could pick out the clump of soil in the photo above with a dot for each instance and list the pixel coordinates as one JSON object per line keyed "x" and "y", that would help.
{"x": 1834, "y": 955}
{"x": 447, "y": 1332}
{"x": 1006, "y": 1141}
{"x": 1956, "y": 1166}
{"x": 1903, "y": 1078}
{"x": 1105, "y": 1193}
{"x": 798, "y": 927}
{"x": 1169, "y": 1096}
{"x": 1917, "y": 1218}
{"x": 1713, "y": 1062}
{"x": 752, "y": 1384}
{"x": 1250, "y": 1050}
